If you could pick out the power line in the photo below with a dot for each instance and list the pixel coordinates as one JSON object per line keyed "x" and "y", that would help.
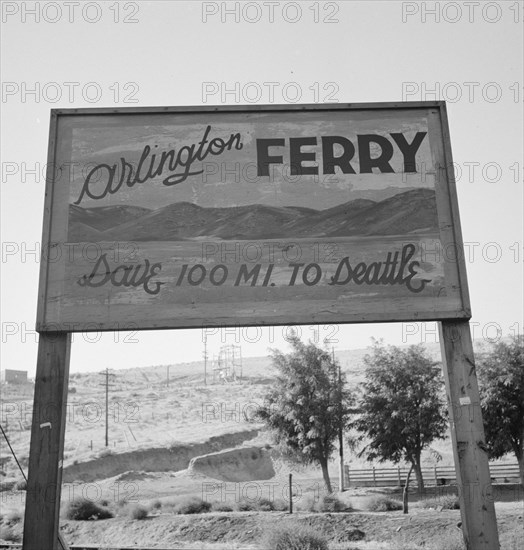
{"x": 13, "y": 453}
{"x": 61, "y": 540}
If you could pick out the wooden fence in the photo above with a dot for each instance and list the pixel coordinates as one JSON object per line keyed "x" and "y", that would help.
{"x": 438, "y": 475}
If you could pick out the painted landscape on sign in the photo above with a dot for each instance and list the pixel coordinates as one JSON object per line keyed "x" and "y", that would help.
{"x": 405, "y": 213}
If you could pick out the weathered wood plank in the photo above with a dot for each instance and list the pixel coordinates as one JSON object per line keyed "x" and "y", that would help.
{"x": 477, "y": 509}
{"x": 47, "y": 442}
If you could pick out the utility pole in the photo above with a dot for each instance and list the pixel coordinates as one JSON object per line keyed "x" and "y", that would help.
{"x": 167, "y": 377}
{"x": 106, "y": 384}
{"x": 107, "y": 407}
{"x": 205, "y": 359}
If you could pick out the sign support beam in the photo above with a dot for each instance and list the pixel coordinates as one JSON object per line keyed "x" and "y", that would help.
{"x": 477, "y": 508}
{"x": 44, "y": 481}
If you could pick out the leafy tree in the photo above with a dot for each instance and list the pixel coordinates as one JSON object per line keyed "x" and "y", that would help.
{"x": 501, "y": 385}
{"x": 307, "y": 405}
{"x": 402, "y": 405}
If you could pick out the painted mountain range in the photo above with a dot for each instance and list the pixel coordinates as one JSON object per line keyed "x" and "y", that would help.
{"x": 412, "y": 211}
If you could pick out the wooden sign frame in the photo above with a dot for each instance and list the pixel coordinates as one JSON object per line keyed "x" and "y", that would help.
{"x": 64, "y": 306}
{"x": 41, "y": 528}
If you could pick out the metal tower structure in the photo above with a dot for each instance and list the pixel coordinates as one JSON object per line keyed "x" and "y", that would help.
{"x": 227, "y": 367}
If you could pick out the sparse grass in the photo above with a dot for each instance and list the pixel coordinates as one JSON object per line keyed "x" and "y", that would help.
{"x": 294, "y": 537}
{"x": 156, "y": 504}
{"x": 450, "y": 502}
{"x": 383, "y": 504}
{"x": 122, "y": 503}
{"x": 406, "y": 545}
{"x": 244, "y": 505}
{"x": 15, "y": 516}
{"x": 189, "y": 505}
{"x": 307, "y": 504}
{"x": 82, "y": 509}
{"x": 447, "y": 502}
{"x": 21, "y": 485}
{"x": 137, "y": 511}
{"x": 330, "y": 503}
{"x": 512, "y": 540}
{"x": 280, "y": 505}
{"x": 265, "y": 505}
{"x": 449, "y": 541}
{"x": 9, "y": 535}
{"x": 218, "y": 506}
{"x": 261, "y": 505}
{"x": 446, "y": 541}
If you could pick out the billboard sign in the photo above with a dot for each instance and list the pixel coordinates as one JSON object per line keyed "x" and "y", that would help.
{"x": 204, "y": 216}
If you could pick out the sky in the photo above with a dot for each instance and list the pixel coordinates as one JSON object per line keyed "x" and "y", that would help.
{"x": 174, "y": 53}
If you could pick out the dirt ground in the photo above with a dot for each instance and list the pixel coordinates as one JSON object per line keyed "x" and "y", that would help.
{"x": 356, "y": 530}
{"x": 245, "y": 529}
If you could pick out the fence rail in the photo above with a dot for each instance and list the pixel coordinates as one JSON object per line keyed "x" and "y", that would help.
{"x": 438, "y": 475}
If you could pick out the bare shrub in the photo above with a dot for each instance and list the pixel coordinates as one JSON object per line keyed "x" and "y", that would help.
{"x": 9, "y": 535}
{"x": 447, "y": 502}
{"x": 330, "y": 503}
{"x": 244, "y": 505}
{"x": 295, "y": 537}
{"x": 190, "y": 505}
{"x": 82, "y": 509}
{"x": 280, "y": 505}
{"x": 21, "y": 485}
{"x": 221, "y": 507}
{"x": 15, "y": 516}
{"x": 137, "y": 511}
{"x": 156, "y": 504}
{"x": 307, "y": 504}
{"x": 383, "y": 504}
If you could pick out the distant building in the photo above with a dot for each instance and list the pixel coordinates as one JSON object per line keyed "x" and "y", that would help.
{"x": 14, "y": 376}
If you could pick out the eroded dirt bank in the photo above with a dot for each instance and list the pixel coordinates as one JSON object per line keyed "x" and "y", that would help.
{"x": 160, "y": 459}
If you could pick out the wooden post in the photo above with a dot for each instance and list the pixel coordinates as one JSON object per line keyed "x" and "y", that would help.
{"x": 47, "y": 442}
{"x": 107, "y": 407}
{"x": 340, "y": 430}
{"x": 477, "y": 509}
{"x": 290, "y": 493}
